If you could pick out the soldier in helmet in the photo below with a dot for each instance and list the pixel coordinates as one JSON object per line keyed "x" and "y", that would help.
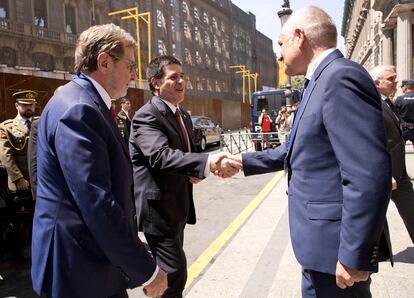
{"x": 123, "y": 119}
{"x": 14, "y": 136}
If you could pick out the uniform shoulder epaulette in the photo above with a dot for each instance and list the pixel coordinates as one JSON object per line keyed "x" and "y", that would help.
{"x": 36, "y": 117}
{"x": 6, "y": 122}
{"x": 122, "y": 117}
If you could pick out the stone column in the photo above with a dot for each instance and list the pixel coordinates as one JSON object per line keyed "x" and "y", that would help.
{"x": 404, "y": 46}
{"x": 387, "y": 49}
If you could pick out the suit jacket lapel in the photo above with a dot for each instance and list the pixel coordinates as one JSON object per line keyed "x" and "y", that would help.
{"x": 167, "y": 113}
{"x": 308, "y": 94}
{"x": 104, "y": 110}
{"x": 391, "y": 114}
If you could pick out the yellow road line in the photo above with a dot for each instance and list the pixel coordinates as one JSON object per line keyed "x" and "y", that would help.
{"x": 204, "y": 259}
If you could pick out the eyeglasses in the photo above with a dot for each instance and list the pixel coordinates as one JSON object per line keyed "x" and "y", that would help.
{"x": 132, "y": 65}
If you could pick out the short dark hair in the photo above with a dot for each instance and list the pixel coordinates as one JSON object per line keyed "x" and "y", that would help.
{"x": 156, "y": 68}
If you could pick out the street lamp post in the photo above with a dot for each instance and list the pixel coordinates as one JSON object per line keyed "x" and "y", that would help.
{"x": 284, "y": 15}
{"x": 242, "y": 70}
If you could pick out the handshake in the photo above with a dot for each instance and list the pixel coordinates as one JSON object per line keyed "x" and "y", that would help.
{"x": 225, "y": 165}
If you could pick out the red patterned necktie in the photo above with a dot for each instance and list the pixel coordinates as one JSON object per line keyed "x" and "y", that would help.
{"x": 183, "y": 130}
{"x": 112, "y": 110}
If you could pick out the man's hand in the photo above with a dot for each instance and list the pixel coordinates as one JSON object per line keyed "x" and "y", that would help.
{"x": 346, "y": 276}
{"x": 194, "y": 180}
{"x": 157, "y": 286}
{"x": 225, "y": 165}
{"x": 22, "y": 184}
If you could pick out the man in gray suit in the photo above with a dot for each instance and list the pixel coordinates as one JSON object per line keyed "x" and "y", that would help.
{"x": 385, "y": 79}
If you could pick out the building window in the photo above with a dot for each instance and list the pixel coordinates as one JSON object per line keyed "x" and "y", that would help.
{"x": 188, "y": 83}
{"x": 160, "y": 19}
{"x": 174, "y": 49}
{"x": 95, "y": 19}
{"x": 40, "y": 14}
{"x": 4, "y": 9}
{"x": 208, "y": 61}
{"x": 172, "y": 24}
{"x": 185, "y": 8}
{"x": 199, "y": 84}
{"x": 196, "y": 14}
{"x": 187, "y": 32}
{"x": 161, "y": 47}
{"x": 205, "y": 18}
{"x": 216, "y": 45}
{"x": 187, "y": 56}
{"x": 198, "y": 57}
{"x": 43, "y": 61}
{"x": 196, "y": 34}
{"x": 207, "y": 40}
{"x": 209, "y": 88}
{"x": 216, "y": 64}
{"x": 214, "y": 23}
{"x": 70, "y": 19}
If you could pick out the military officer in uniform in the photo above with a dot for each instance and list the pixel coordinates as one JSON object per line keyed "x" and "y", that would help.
{"x": 405, "y": 107}
{"x": 14, "y": 136}
{"x": 123, "y": 119}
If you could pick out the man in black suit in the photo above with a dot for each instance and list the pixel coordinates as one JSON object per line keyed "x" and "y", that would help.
{"x": 402, "y": 194}
{"x": 165, "y": 168}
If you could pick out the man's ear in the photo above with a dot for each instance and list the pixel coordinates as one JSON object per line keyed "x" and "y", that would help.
{"x": 300, "y": 36}
{"x": 154, "y": 83}
{"x": 102, "y": 62}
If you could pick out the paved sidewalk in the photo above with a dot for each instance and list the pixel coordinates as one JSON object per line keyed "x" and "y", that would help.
{"x": 259, "y": 261}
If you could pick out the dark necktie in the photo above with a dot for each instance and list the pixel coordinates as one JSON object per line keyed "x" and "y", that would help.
{"x": 112, "y": 110}
{"x": 28, "y": 124}
{"x": 183, "y": 130}
{"x": 303, "y": 88}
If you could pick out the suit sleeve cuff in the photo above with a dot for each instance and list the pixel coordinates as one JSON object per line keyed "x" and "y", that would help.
{"x": 207, "y": 168}
{"x": 157, "y": 269}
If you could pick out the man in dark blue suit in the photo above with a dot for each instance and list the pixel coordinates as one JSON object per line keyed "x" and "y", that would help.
{"x": 338, "y": 167}
{"x": 85, "y": 241}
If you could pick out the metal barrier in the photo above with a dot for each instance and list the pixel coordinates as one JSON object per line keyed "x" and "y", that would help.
{"x": 245, "y": 141}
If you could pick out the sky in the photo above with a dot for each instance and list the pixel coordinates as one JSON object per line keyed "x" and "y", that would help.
{"x": 268, "y": 22}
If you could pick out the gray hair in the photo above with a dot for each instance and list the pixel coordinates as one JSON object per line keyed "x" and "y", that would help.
{"x": 378, "y": 71}
{"x": 319, "y": 28}
{"x": 108, "y": 38}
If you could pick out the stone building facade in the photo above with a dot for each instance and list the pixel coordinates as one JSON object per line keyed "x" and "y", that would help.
{"x": 380, "y": 32}
{"x": 37, "y": 37}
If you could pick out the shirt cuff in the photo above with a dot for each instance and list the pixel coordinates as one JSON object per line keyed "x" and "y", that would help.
{"x": 207, "y": 168}
{"x": 157, "y": 269}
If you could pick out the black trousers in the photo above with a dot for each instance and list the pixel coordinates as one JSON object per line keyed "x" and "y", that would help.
{"x": 322, "y": 285}
{"x": 170, "y": 256}
{"x": 403, "y": 197}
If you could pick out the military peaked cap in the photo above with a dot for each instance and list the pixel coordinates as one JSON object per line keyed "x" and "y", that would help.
{"x": 26, "y": 97}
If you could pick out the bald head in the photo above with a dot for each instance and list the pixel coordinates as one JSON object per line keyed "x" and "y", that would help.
{"x": 318, "y": 26}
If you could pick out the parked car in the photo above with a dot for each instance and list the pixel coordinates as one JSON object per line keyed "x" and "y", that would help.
{"x": 204, "y": 132}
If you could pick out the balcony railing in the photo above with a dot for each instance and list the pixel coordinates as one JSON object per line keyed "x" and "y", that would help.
{"x": 8, "y": 25}
{"x": 45, "y": 33}
{"x": 35, "y": 31}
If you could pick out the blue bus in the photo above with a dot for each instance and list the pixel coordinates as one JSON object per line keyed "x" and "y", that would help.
{"x": 272, "y": 100}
